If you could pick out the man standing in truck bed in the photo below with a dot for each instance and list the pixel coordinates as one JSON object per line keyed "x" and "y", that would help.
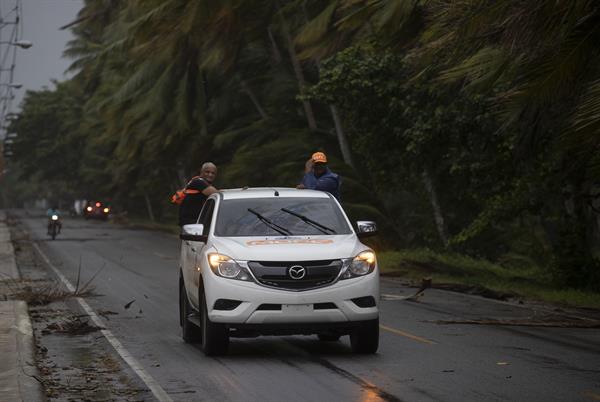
{"x": 317, "y": 176}
{"x": 196, "y": 192}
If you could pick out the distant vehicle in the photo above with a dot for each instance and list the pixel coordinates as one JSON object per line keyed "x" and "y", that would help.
{"x": 96, "y": 210}
{"x": 277, "y": 262}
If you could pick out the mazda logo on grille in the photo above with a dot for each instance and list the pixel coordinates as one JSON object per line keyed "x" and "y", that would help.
{"x": 297, "y": 272}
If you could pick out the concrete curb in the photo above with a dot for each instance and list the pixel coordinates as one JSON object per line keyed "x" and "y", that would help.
{"x": 18, "y": 371}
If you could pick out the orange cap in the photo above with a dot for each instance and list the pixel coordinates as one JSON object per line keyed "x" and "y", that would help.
{"x": 319, "y": 157}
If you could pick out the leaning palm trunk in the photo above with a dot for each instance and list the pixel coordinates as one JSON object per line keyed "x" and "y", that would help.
{"x": 435, "y": 205}
{"x": 276, "y": 53}
{"x": 308, "y": 110}
{"x": 246, "y": 88}
{"x": 339, "y": 131}
{"x": 341, "y": 136}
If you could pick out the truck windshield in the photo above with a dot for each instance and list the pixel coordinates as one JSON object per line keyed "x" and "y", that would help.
{"x": 242, "y": 217}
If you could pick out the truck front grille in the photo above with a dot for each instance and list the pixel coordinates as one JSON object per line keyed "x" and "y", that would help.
{"x": 276, "y": 274}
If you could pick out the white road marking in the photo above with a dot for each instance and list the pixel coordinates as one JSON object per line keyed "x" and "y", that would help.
{"x": 150, "y": 382}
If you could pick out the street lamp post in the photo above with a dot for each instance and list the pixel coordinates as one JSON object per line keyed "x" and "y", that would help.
{"x": 15, "y": 85}
{"x": 24, "y": 44}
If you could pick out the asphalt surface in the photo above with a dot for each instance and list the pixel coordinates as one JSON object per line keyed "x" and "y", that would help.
{"x": 419, "y": 359}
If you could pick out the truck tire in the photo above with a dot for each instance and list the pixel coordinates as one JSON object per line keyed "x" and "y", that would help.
{"x": 189, "y": 331}
{"x": 215, "y": 336}
{"x": 365, "y": 339}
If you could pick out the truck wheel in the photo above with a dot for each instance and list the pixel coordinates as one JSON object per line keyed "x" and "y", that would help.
{"x": 189, "y": 332}
{"x": 215, "y": 336}
{"x": 365, "y": 339}
{"x": 328, "y": 337}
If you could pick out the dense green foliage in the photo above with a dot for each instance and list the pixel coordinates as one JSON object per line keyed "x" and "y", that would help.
{"x": 470, "y": 125}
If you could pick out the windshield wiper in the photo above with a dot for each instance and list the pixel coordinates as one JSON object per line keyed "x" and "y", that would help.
{"x": 270, "y": 224}
{"x": 312, "y": 223}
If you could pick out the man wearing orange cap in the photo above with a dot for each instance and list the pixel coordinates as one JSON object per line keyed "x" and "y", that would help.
{"x": 317, "y": 176}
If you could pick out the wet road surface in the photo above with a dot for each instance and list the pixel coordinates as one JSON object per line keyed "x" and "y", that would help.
{"x": 418, "y": 359}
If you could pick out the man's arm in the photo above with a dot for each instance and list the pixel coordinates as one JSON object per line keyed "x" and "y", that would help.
{"x": 201, "y": 185}
{"x": 209, "y": 190}
{"x": 309, "y": 179}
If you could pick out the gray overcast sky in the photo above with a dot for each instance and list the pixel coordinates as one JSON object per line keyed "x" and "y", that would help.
{"x": 42, "y": 62}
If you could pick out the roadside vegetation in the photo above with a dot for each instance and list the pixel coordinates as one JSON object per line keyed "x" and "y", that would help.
{"x": 471, "y": 129}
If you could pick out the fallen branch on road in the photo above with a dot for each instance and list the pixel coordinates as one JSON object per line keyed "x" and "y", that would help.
{"x": 549, "y": 323}
{"x": 73, "y": 326}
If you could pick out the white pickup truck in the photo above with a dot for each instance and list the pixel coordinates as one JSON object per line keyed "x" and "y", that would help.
{"x": 277, "y": 261}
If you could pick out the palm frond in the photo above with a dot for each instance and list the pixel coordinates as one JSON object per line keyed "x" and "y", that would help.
{"x": 587, "y": 114}
{"x": 318, "y": 27}
{"x": 481, "y": 71}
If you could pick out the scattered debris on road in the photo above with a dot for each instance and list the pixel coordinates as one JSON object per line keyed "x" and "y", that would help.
{"x": 126, "y": 307}
{"x": 74, "y": 363}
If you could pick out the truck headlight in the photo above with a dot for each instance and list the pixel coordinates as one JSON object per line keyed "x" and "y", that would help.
{"x": 226, "y": 267}
{"x": 361, "y": 265}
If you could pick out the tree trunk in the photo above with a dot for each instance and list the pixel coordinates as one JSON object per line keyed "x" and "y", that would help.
{"x": 308, "y": 110}
{"x": 149, "y": 207}
{"x": 341, "y": 136}
{"x": 254, "y": 99}
{"x": 435, "y": 205}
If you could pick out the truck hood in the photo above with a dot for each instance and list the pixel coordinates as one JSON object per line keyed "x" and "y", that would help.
{"x": 301, "y": 248}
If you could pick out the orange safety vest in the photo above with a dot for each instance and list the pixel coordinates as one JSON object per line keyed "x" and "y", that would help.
{"x": 179, "y": 195}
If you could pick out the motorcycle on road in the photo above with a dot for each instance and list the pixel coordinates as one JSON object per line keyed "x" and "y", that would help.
{"x": 54, "y": 226}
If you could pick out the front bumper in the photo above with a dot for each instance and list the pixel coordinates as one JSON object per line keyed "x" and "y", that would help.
{"x": 331, "y": 304}
{"x": 333, "y": 328}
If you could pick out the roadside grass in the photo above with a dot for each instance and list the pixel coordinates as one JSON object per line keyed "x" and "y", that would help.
{"x": 463, "y": 273}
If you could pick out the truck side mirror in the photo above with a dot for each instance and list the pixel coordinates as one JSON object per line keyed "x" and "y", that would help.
{"x": 366, "y": 229}
{"x": 193, "y": 232}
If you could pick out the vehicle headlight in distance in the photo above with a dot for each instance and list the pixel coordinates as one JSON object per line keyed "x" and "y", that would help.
{"x": 54, "y": 217}
{"x": 89, "y": 209}
{"x": 106, "y": 210}
{"x": 361, "y": 265}
{"x": 226, "y": 267}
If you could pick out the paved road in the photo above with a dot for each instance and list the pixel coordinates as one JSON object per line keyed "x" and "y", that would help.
{"x": 418, "y": 360}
